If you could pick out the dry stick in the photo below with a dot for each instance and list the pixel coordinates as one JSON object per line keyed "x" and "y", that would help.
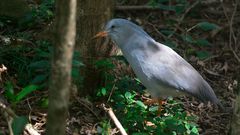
{"x": 231, "y": 32}
{"x": 11, "y": 114}
{"x": 110, "y": 95}
{"x": 114, "y": 118}
{"x": 183, "y": 16}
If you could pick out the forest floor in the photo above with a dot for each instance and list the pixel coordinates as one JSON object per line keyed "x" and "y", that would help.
{"x": 220, "y": 69}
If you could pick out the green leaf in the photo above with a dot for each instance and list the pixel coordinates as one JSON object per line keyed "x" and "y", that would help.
{"x": 195, "y": 130}
{"x": 39, "y": 79}
{"x": 170, "y": 44}
{"x": 103, "y": 91}
{"x": 203, "y": 54}
{"x": 40, "y": 64}
{"x": 44, "y": 103}
{"x": 206, "y": 26}
{"x": 167, "y": 32}
{"x": 153, "y": 108}
{"x": 77, "y": 63}
{"x": 9, "y": 91}
{"x": 19, "y": 124}
{"x": 75, "y": 73}
{"x": 25, "y": 91}
{"x": 141, "y": 104}
{"x": 203, "y": 42}
{"x": 128, "y": 95}
{"x": 187, "y": 38}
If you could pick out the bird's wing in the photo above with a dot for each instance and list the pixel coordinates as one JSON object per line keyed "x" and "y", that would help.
{"x": 172, "y": 70}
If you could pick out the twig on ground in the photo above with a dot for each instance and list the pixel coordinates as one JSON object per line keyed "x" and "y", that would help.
{"x": 114, "y": 118}
{"x": 211, "y": 72}
{"x": 110, "y": 95}
{"x": 211, "y": 57}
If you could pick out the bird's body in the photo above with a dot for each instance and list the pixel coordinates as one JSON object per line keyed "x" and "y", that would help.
{"x": 161, "y": 70}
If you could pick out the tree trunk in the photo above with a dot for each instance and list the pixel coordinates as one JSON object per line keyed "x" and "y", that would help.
{"x": 64, "y": 40}
{"x": 92, "y": 16}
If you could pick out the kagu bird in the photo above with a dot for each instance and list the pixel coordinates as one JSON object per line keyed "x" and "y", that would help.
{"x": 160, "y": 69}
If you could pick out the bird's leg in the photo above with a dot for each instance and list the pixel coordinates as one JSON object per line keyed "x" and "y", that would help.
{"x": 160, "y": 103}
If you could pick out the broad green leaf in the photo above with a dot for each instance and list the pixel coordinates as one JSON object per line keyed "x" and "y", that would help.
{"x": 75, "y": 73}
{"x": 39, "y": 79}
{"x": 9, "y": 91}
{"x": 25, "y": 91}
{"x": 44, "y": 103}
{"x": 206, "y": 26}
{"x": 141, "y": 104}
{"x": 195, "y": 130}
{"x": 153, "y": 108}
{"x": 203, "y": 54}
{"x": 40, "y": 64}
{"x": 203, "y": 42}
{"x": 167, "y": 32}
{"x": 19, "y": 124}
{"x": 128, "y": 95}
{"x": 77, "y": 63}
{"x": 103, "y": 91}
{"x": 187, "y": 38}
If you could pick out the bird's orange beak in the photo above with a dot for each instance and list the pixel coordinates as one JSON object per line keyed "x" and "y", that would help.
{"x": 101, "y": 34}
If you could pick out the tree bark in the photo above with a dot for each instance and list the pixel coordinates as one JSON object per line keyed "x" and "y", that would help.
{"x": 64, "y": 40}
{"x": 92, "y": 16}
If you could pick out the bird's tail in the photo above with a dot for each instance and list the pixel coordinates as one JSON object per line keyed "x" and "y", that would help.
{"x": 207, "y": 94}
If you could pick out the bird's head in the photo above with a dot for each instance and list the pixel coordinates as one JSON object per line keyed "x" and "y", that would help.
{"x": 121, "y": 30}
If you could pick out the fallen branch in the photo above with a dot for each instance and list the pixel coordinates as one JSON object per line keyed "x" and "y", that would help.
{"x": 114, "y": 118}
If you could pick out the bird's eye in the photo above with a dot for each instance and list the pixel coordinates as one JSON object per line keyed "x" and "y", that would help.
{"x": 113, "y": 26}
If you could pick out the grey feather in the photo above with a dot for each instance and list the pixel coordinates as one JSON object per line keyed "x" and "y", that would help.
{"x": 160, "y": 69}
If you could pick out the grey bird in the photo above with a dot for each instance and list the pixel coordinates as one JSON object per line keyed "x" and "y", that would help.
{"x": 160, "y": 69}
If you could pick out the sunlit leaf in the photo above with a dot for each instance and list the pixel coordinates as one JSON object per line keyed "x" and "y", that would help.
{"x": 103, "y": 91}
{"x": 141, "y": 104}
{"x": 128, "y": 95}
{"x": 25, "y": 91}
